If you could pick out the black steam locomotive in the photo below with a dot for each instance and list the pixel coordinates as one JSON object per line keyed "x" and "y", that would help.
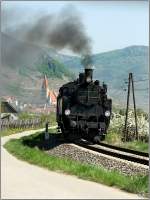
{"x": 83, "y": 109}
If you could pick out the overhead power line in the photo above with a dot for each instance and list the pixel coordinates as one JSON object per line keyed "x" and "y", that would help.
{"x": 141, "y": 80}
{"x": 142, "y": 89}
{"x": 126, "y": 82}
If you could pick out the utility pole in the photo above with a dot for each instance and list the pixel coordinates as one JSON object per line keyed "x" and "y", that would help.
{"x": 130, "y": 82}
{"x": 135, "y": 114}
{"x": 127, "y": 107}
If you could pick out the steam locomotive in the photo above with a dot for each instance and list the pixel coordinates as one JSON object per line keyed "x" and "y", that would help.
{"x": 83, "y": 109}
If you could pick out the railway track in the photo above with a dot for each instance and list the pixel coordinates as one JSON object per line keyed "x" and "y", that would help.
{"x": 118, "y": 152}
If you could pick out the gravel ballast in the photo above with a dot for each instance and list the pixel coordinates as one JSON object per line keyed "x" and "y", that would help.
{"x": 82, "y": 155}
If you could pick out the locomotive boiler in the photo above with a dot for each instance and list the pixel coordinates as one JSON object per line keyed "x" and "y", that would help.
{"x": 83, "y": 109}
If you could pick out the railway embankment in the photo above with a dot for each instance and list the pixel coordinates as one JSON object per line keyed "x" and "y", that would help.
{"x": 83, "y": 164}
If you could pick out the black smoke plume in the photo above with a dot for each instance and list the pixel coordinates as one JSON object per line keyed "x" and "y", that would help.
{"x": 62, "y": 30}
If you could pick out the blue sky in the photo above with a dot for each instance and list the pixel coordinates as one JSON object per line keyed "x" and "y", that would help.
{"x": 110, "y": 24}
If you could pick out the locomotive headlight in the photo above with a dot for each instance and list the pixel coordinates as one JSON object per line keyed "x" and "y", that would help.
{"x": 67, "y": 112}
{"x": 107, "y": 113}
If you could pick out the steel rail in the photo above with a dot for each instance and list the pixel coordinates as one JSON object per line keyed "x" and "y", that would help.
{"x": 139, "y": 153}
{"x": 116, "y": 153}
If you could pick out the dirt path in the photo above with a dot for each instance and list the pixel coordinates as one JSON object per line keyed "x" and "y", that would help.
{"x": 21, "y": 180}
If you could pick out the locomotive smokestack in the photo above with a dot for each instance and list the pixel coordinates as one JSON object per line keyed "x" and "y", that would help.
{"x": 88, "y": 67}
{"x": 88, "y": 73}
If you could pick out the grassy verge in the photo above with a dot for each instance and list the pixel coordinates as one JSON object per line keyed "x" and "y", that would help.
{"x": 134, "y": 184}
{"x": 137, "y": 145}
{"x": 16, "y": 130}
{"x": 19, "y": 130}
{"x": 115, "y": 139}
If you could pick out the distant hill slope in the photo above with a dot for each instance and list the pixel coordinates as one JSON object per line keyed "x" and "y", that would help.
{"x": 25, "y": 57}
{"x": 24, "y": 66}
{"x": 22, "y": 75}
{"x": 120, "y": 62}
{"x": 113, "y": 67}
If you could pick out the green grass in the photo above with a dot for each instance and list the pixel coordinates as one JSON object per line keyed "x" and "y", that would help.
{"x": 137, "y": 145}
{"x": 19, "y": 130}
{"x": 16, "y": 130}
{"x": 115, "y": 139}
{"x": 134, "y": 184}
{"x": 51, "y": 118}
{"x": 43, "y": 117}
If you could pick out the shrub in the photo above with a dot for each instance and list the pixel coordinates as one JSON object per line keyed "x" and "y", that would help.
{"x": 118, "y": 120}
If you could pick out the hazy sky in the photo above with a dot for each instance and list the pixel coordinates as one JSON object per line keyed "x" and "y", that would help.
{"x": 111, "y": 25}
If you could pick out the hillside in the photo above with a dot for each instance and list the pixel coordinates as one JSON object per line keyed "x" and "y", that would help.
{"x": 119, "y": 63}
{"x": 24, "y": 66}
{"x": 113, "y": 67}
{"x": 23, "y": 69}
